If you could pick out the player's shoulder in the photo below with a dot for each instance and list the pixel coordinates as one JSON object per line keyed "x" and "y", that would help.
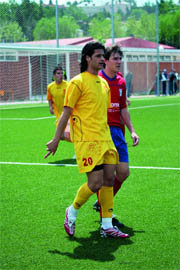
{"x": 64, "y": 82}
{"x": 120, "y": 74}
{"x": 76, "y": 81}
{"x": 100, "y": 73}
{"x": 51, "y": 84}
{"x": 102, "y": 79}
{"x": 120, "y": 77}
{"x": 78, "y": 77}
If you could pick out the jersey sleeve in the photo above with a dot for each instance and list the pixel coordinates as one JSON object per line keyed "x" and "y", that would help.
{"x": 73, "y": 92}
{"x": 49, "y": 96}
{"x": 65, "y": 86}
{"x": 124, "y": 99}
{"x": 108, "y": 92}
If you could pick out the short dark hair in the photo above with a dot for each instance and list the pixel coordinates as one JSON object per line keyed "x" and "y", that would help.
{"x": 88, "y": 50}
{"x": 59, "y": 67}
{"x": 112, "y": 50}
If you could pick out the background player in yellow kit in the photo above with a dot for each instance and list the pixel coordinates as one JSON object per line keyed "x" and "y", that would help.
{"x": 86, "y": 102}
{"x": 56, "y": 93}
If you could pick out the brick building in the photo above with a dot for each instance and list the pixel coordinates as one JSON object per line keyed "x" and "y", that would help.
{"x": 26, "y": 68}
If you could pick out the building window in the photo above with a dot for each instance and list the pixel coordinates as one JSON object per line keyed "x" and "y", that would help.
{"x": 142, "y": 58}
{"x": 135, "y": 58}
{"x": 129, "y": 58}
{"x": 150, "y": 58}
{"x": 132, "y": 58}
{"x": 8, "y": 57}
{"x": 167, "y": 58}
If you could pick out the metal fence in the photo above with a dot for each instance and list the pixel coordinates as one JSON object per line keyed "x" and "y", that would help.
{"x": 25, "y": 71}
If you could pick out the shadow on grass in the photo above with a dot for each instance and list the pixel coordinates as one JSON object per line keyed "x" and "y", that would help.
{"x": 94, "y": 247}
{"x": 64, "y": 161}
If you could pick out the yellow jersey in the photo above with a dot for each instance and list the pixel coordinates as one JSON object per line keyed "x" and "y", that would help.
{"x": 56, "y": 93}
{"x": 89, "y": 97}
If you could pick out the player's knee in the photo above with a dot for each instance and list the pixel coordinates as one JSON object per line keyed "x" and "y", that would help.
{"x": 108, "y": 180}
{"x": 95, "y": 187}
{"x": 123, "y": 175}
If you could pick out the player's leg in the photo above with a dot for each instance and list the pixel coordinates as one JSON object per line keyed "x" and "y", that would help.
{"x": 106, "y": 196}
{"x": 122, "y": 173}
{"x": 95, "y": 181}
{"x": 123, "y": 166}
{"x": 106, "y": 201}
{"x": 122, "y": 169}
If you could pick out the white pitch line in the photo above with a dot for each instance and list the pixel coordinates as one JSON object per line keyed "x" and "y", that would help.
{"x": 24, "y": 107}
{"x": 48, "y": 117}
{"x": 153, "y": 106}
{"x": 155, "y": 168}
{"x": 74, "y": 165}
{"x": 38, "y": 164}
{"x": 31, "y": 119}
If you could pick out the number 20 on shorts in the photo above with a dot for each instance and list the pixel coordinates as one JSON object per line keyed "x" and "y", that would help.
{"x": 87, "y": 161}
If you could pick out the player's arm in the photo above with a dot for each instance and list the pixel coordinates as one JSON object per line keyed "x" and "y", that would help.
{"x": 50, "y": 100}
{"x": 53, "y": 144}
{"x": 51, "y": 109}
{"x": 126, "y": 118}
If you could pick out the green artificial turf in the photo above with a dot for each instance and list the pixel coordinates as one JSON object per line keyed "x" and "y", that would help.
{"x": 34, "y": 195}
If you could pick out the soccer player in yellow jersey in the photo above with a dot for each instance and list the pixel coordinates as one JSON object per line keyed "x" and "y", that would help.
{"x": 56, "y": 93}
{"x": 86, "y": 102}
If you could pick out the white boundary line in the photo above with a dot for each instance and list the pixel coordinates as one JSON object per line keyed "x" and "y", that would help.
{"x": 24, "y": 107}
{"x": 75, "y": 165}
{"x": 153, "y": 106}
{"x": 37, "y": 164}
{"x": 154, "y": 168}
{"x": 48, "y": 117}
{"x": 30, "y": 119}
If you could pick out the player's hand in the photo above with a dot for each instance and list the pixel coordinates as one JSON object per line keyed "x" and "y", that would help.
{"x": 51, "y": 110}
{"x": 128, "y": 102}
{"x": 51, "y": 148}
{"x": 135, "y": 138}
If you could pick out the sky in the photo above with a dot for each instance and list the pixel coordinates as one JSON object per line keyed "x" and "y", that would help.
{"x": 62, "y": 2}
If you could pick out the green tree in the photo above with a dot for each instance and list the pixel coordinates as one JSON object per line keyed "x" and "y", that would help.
{"x": 144, "y": 28}
{"x": 119, "y": 30}
{"x": 147, "y": 27}
{"x": 27, "y": 15}
{"x": 46, "y": 28}
{"x": 75, "y": 12}
{"x": 169, "y": 29}
{"x": 131, "y": 26}
{"x": 132, "y": 2}
{"x": 11, "y": 32}
{"x": 100, "y": 29}
{"x": 79, "y": 16}
{"x": 8, "y": 12}
{"x": 149, "y": 8}
{"x": 166, "y": 6}
{"x": 137, "y": 13}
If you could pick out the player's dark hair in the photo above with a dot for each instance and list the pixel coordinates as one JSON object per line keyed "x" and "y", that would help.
{"x": 59, "y": 67}
{"x": 112, "y": 50}
{"x": 88, "y": 50}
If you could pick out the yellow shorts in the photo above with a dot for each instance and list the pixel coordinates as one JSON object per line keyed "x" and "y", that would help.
{"x": 91, "y": 154}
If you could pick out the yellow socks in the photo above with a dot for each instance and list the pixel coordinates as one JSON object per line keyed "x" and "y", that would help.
{"x": 82, "y": 196}
{"x": 106, "y": 201}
